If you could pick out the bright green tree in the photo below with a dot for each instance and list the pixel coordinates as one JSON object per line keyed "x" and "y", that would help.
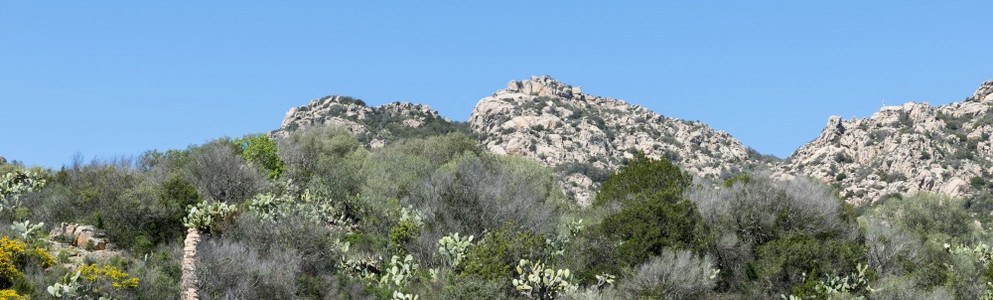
{"x": 260, "y": 150}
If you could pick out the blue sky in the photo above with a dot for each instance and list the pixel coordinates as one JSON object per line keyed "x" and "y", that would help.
{"x": 111, "y": 78}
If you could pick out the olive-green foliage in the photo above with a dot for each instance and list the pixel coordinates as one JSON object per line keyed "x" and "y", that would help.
{"x": 649, "y": 223}
{"x": 260, "y": 150}
{"x": 643, "y": 175}
{"x": 148, "y": 215}
{"x": 753, "y": 212}
{"x": 496, "y": 255}
{"x": 651, "y": 213}
{"x": 472, "y": 289}
{"x": 403, "y": 233}
{"x": 591, "y": 253}
{"x": 924, "y": 239}
{"x": 392, "y": 128}
{"x": 906, "y": 288}
{"x": 928, "y": 216}
{"x": 326, "y": 160}
{"x": 474, "y": 193}
{"x": 222, "y": 175}
{"x": 392, "y": 171}
{"x": 783, "y": 262}
{"x": 891, "y": 249}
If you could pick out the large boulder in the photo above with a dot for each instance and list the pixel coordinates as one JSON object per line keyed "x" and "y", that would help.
{"x": 83, "y": 236}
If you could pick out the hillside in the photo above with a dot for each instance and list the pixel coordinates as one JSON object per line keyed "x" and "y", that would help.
{"x": 583, "y": 137}
{"x": 404, "y": 204}
{"x": 914, "y": 147}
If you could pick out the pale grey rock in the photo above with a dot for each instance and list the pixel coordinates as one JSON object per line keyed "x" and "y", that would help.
{"x": 354, "y": 116}
{"x": 905, "y": 149}
{"x": 557, "y": 125}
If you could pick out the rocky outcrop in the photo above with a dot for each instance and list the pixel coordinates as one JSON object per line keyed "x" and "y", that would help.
{"x": 903, "y": 149}
{"x": 586, "y": 137}
{"x": 374, "y": 125}
{"x": 984, "y": 93}
{"x": 83, "y": 236}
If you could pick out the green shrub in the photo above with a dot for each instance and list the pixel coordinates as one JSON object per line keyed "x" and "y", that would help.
{"x": 651, "y": 214}
{"x": 496, "y": 255}
{"x": 222, "y": 175}
{"x": 783, "y": 262}
{"x": 260, "y": 150}
{"x": 928, "y": 216}
{"x": 643, "y": 175}
{"x": 473, "y": 194}
{"x": 748, "y": 215}
{"x": 648, "y": 224}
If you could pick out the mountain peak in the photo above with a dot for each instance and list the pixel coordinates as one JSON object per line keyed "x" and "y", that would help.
{"x": 542, "y": 86}
{"x": 985, "y": 92}
{"x": 586, "y": 137}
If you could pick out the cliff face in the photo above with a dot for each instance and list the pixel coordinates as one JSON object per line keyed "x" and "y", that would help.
{"x": 903, "y": 149}
{"x": 586, "y": 137}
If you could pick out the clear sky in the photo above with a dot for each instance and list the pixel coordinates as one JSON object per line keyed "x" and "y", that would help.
{"x": 111, "y": 78}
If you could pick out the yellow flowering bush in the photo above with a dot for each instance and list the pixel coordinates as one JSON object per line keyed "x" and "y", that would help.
{"x": 10, "y": 295}
{"x": 15, "y": 254}
{"x": 11, "y": 254}
{"x": 107, "y": 274}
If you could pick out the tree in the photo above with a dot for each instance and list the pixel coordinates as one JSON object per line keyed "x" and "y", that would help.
{"x": 221, "y": 175}
{"x": 259, "y": 150}
{"x": 652, "y": 214}
{"x": 643, "y": 175}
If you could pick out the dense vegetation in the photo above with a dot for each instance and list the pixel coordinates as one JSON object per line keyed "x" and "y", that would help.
{"x": 319, "y": 215}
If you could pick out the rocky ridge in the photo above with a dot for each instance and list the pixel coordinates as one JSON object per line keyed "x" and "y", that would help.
{"x": 902, "y": 149}
{"x": 586, "y": 137}
{"x": 914, "y": 147}
{"x": 374, "y": 125}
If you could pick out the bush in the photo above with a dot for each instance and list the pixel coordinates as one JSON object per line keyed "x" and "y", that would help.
{"x": 473, "y": 194}
{"x": 259, "y": 150}
{"x": 324, "y": 159}
{"x": 230, "y": 270}
{"x": 651, "y": 214}
{"x": 471, "y": 289}
{"x": 643, "y": 175}
{"x": 313, "y": 244}
{"x": 672, "y": 275}
{"x": 786, "y": 261}
{"x": 221, "y": 175}
{"x": 890, "y": 250}
{"x": 391, "y": 173}
{"x": 496, "y": 255}
{"x": 928, "y": 216}
{"x": 650, "y": 223}
{"x": 15, "y": 256}
{"x": 747, "y": 215}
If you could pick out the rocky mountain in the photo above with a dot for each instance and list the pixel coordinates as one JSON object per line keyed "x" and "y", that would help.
{"x": 583, "y": 137}
{"x": 904, "y": 149}
{"x": 373, "y": 125}
{"x": 586, "y": 137}
{"x": 898, "y": 150}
